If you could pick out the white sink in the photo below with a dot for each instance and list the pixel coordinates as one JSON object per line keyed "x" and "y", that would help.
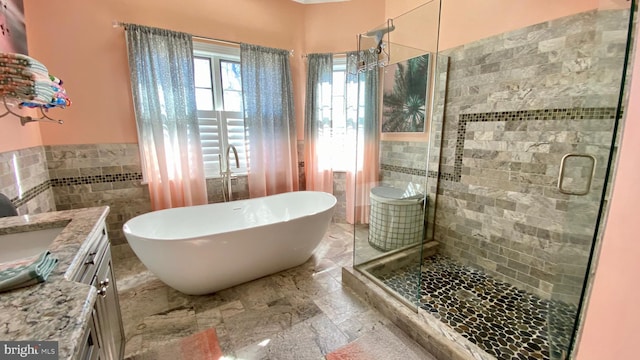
{"x": 26, "y": 244}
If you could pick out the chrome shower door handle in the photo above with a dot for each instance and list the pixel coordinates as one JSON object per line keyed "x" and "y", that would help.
{"x": 589, "y": 179}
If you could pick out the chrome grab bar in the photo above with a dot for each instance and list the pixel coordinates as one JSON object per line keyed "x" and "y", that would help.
{"x": 562, "y": 172}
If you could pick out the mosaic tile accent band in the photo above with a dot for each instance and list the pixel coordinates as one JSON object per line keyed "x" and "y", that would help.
{"x": 96, "y": 179}
{"x": 403, "y": 169}
{"x": 31, "y": 193}
{"x": 409, "y": 171}
{"x": 80, "y": 180}
{"x": 521, "y": 115}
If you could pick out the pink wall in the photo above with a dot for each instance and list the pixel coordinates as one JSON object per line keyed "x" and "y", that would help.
{"x": 14, "y": 136}
{"x": 333, "y": 27}
{"x": 464, "y": 21}
{"x": 611, "y": 328}
{"x": 85, "y": 51}
{"x": 395, "y": 8}
{"x": 90, "y": 56}
{"x": 76, "y": 40}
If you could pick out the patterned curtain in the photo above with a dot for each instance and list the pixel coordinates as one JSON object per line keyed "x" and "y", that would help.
{"x": 161, "y": 66}
{"x": 269, "y": 120}
{"x": 318, "y": 166}
{"x": 366, "y": 174}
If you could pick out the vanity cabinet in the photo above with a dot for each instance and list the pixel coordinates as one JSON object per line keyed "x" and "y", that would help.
{"x": 90, "y": 350}
{"x": 97, "y": 270}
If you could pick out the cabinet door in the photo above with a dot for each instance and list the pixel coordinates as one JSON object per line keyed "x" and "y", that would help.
{"x": 108, "y": 309}
{"x": 95, "y": 352}
{"x": 90, "y": 348}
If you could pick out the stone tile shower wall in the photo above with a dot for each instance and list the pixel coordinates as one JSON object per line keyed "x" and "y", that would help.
{"x": 516, "y": 103}
{"x": 97, "y": 175}
{"x": 24, "y": 179}
{"x": 402, "y": 162}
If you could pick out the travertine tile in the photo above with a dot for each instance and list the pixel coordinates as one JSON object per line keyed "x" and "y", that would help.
{"x": 301, "y": 313}
{"x": 362, "y": 323}
{"x": 294, "y": 343}
{"x": 173, "y": 324}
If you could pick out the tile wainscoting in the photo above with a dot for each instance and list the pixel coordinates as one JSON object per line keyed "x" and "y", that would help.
{"x": 24, "y": 178}
{"x": 63, "y": 177}
{"x": 99, "y": 174}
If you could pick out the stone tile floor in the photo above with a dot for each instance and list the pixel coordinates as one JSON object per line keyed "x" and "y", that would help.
{"x": 302, "y": 313}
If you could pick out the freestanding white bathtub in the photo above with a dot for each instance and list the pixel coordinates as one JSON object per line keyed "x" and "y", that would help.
{"x": 202, "y": 249}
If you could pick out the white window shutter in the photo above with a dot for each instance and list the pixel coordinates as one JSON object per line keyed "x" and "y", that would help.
{"x": 209, "y": 126}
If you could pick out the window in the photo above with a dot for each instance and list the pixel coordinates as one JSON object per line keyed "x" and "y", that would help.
{"x": 218, "y": 86}
{"x": 340, "y": 121}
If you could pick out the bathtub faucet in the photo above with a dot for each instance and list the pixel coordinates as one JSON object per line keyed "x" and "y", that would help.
{"x": 226, "y": 175}
{"x": 235, "y": 154}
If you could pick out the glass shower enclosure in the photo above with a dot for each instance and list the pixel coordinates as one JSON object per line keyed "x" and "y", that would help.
{"x": 393, "y": 235}
{"x": 513, "y": 163}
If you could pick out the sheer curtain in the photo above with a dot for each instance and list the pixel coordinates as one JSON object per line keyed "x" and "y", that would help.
{"x": 317, "y": 163}
{"x": 161, "y": 66}
{"x": 366, "y": 173}
{"x": 269, "y": 120}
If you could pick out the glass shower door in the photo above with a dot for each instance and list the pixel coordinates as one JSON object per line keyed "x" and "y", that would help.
{"x": 583, "y": 188}
{"x": 389, "y": 248}
{"x": 530, "y": 117}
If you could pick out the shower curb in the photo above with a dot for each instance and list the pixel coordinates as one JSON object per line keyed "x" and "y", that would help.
{"x": 434, "y": 336}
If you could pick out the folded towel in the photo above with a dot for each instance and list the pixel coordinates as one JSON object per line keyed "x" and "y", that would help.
{"x": 45, "y": 97}
{"x": 27, "y": 80}
{"x": 41, "y": 91}
{"x": 24, "y": 71}
{"x": 15, "y": 80}
{"x": 26, "y": 272}
{"x": 23, "y": 60}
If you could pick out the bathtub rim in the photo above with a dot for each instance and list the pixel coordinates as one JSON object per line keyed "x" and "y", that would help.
{"x": 139, "y": 237}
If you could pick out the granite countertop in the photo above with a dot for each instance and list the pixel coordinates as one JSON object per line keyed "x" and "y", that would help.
{"x": 60, "y": 308}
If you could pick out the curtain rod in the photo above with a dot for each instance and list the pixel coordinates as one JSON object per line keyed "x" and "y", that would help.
{"x": 344, "y": 53}
{"x": 122, "y": 24}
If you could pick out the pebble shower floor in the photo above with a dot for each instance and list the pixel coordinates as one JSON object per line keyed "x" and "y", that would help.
{"x": 505, "y": 322}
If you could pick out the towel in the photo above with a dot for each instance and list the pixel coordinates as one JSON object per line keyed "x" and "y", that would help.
{"x": 40, "y": 91}
{"x": 26, "y": 272}
{"x": 22, "y": 60}
{"x": 23, "y": 71}
{"x": 28, "y": 80}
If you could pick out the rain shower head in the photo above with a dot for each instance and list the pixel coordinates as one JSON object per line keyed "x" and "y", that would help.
{"x": 381, "y": 58}
{"x": 380, "y": 32}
